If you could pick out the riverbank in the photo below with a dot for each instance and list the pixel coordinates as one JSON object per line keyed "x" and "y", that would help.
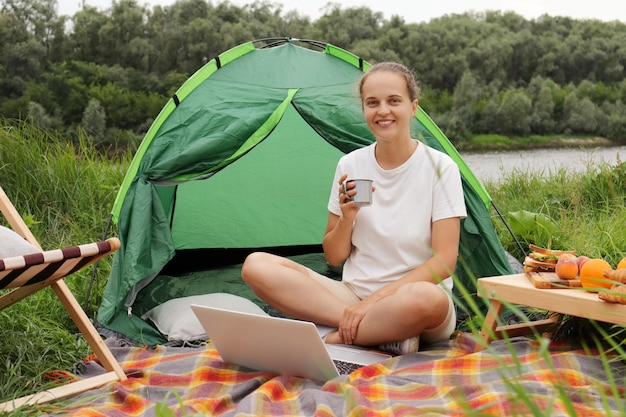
{"x": 495, "y": 165}
{"x": 486, "y": 143}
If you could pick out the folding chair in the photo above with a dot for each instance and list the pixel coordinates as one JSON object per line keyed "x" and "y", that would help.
{"x": 30, "y": 273}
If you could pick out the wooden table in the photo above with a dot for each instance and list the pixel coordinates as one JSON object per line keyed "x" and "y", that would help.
{"x": 517, "y": 289}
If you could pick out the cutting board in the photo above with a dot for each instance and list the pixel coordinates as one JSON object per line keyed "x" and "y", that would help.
{"x": 547, "y": 280}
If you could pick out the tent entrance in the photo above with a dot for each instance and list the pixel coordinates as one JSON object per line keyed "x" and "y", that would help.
{"x": 189, "y": 273}
{"x": 244, "y": 205}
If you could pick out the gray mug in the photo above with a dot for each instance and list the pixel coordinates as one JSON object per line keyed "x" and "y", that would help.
{"x": 363, "y": 187}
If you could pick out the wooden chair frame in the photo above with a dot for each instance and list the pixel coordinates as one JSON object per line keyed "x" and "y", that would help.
{"x": 55, "y": 266}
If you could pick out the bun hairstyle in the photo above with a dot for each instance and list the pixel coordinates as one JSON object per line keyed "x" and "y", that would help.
{"x": 411, "y": 84}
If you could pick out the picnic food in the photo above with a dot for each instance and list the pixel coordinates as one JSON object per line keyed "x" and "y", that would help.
{"x": 581, "y": 260}
{"x": 616, "y": 294}
{"x": 542, "y": 259}
{"x": 618, "y": 275}
{"x": 592, "y": 274}
{"x": 566, "y": 266}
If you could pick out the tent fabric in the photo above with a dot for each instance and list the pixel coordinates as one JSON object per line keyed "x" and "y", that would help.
{"x": 242, "y": 157}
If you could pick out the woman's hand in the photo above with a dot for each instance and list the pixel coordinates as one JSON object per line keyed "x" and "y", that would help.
{"x": 348, "y": 208}
{"x": 351, "y": 318}
{"x": 337, "y": 242}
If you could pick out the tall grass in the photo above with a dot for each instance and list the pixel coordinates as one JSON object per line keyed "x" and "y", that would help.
{"x": 586, "y": 210}
{"x": 65, "y": 192}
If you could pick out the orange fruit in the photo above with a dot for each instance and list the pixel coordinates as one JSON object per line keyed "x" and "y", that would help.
{"x": 621, "y": 264}
{"x": 592, "y": 274}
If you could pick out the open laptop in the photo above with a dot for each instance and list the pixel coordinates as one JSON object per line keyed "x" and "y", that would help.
{"x": 279, "y": 345}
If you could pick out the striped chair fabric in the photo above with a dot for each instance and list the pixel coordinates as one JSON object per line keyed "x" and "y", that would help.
{"x": 49, "y": 266}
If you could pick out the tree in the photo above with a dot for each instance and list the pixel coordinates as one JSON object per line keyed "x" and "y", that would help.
{"x": 467, "y": 94}
{"x": 371, "y": 51}
{"x": 94, "y": 120}
{"x": 21, "y": 54}
{"x": 38, "y": 18}
{"x": 542, "y": 118}
{"x": 85, "y": 36}
{"x": 489, "y": 117}
{"x": 514, "y": 114}
{"x": 131, "y": 58}
{"x": 490, "y": 59}
{"x": 539, "y": 91}
{"x": 435, "y": 51}
{"x": 579, "y": 114}
{"x": 65, "y": 91}
{"x": 344, "y": 27}
{"x": 38, "y": 115}
{"x": 614, "y": 123}
{"x": 125, "y": 26}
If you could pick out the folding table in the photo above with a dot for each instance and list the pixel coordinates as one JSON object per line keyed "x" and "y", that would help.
{"x": 518, "y": 289}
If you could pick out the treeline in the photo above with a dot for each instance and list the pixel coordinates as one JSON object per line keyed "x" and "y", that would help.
{"x": 110, "y": 72}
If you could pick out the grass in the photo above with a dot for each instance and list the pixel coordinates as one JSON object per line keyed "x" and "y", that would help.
{"x": 491, "y": 141}
{"x": 495, "y": 142}
{"x": 587, "y": 210}
{"x": 65, "y": 192}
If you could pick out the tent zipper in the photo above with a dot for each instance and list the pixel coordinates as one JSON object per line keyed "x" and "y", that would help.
{"x": 132, "y": 295}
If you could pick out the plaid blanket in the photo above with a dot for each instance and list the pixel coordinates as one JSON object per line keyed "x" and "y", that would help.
{"x": 514, "y": 378}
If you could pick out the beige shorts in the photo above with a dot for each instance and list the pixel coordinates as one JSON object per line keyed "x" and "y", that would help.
{"x": 347, "y": 295}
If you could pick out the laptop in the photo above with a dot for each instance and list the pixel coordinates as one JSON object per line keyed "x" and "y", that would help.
{"x": 279, "y": 345}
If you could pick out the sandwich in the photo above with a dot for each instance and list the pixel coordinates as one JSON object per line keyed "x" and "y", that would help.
{"x": 543, "y": 260}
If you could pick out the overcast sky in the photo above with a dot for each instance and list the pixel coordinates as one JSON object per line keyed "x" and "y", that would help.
{"x": 418, "y": 11}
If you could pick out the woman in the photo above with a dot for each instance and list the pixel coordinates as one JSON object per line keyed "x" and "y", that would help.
{"x": 399, "y": 252}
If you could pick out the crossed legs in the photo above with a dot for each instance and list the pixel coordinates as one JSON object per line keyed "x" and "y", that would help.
{"x": 301, "y": 293}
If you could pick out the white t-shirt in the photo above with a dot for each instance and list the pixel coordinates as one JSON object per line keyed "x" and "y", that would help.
{"x": 393, "y": 235}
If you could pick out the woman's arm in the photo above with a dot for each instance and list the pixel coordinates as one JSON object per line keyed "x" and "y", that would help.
{"x": 337, "y": 242}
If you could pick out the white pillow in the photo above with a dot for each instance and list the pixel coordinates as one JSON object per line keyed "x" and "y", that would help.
{"x": 177, "y": 321}
{"x": 12, "y": 244}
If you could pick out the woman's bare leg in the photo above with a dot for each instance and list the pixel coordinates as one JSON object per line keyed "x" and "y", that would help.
{"x": 288, "y": 287}
{"x": 411, "y": 310}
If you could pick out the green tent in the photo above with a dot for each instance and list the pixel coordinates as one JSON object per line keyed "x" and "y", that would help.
{"x": 242, "y": 158}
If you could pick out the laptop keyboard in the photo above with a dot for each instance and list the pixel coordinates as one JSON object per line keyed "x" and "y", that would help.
{"x": 345, "y": 368}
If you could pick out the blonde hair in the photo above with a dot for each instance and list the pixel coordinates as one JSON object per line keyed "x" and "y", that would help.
{"x": 411, "y": 85}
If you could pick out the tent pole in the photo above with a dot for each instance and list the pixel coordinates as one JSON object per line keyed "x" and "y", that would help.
{"x": 519, "y": 245}
{"x": 95, "y": 266}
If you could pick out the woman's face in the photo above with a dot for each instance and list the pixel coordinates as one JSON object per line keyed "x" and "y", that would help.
{"x": 387, "y": 106}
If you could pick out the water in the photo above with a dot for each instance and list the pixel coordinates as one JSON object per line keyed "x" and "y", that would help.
{"x": 492, "y": 166}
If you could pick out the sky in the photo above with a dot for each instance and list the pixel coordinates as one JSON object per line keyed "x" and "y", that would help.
{"x": 413, "y": 11}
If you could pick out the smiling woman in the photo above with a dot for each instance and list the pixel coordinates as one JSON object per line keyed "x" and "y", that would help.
{"x": 398, "y": 253}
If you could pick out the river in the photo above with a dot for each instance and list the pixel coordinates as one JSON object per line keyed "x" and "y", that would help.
{"x": 494, "y": 165}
